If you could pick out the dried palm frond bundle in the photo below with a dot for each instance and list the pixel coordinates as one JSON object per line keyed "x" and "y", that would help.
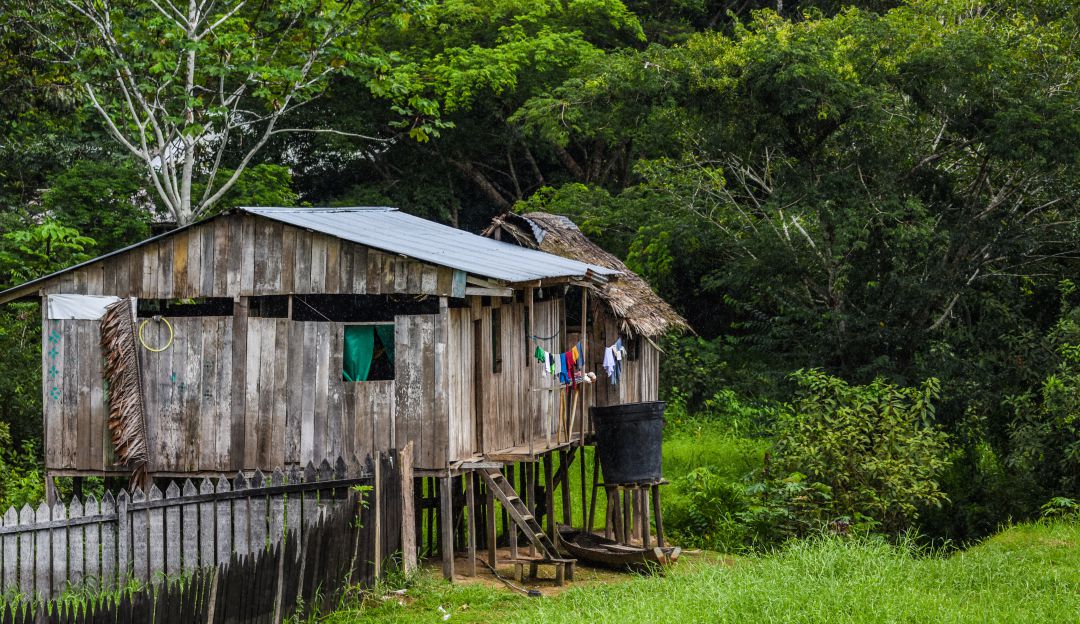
{"x": 127, "y": 417}
{"x": 639, "y": 310}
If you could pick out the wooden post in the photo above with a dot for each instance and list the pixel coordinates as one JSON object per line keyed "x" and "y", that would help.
{"x": 584, "y": 390}
{"x": 626, "y": 515}
{"x": 446, "y": 526}
{"x": 492, "y": 538}
{"x": 659, "y": 517}
{"x": 595, "y": 487}
{"x": 549, "y": 494}
{"x": 530, "y": 424}
{"x": 564, "y": 485}
{"x": 408, "y": 510}
{"x": 470, "y": 509}
{"x": 433, "y": 522}
{"x": 646, "y": 528}
{"x": 50, "y": 490}
{"x": 510, "y": 529}
{"x": 530, "y": 482}
{"x": 377, "y": 492}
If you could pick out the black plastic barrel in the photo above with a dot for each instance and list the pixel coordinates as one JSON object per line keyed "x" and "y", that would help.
{"x": 628, "y": 441}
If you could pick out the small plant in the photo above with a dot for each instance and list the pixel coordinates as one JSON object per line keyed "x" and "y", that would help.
{"x": 1060, "y": 507}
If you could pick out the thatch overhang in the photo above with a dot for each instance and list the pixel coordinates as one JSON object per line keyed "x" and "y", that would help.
{"x": 630, "y": 298}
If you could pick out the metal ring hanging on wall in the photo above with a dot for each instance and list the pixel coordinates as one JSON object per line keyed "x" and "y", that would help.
{"x": 168, "y": 343}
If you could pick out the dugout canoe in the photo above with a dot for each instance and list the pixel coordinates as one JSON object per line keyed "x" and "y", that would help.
{"x": 600, "y": 551}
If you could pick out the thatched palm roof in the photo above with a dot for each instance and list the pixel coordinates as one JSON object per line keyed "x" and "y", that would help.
{"x": 629, "y": 297}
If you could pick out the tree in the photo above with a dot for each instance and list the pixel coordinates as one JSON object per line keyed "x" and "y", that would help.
{"x": 194, "y": 88}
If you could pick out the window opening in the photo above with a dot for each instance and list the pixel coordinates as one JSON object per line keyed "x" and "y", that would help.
{"x": 368, "y": 353}
{"x": 496, "y": 342}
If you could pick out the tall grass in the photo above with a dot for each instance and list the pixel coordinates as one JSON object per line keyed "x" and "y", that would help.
{"x": 1027, "y": 574}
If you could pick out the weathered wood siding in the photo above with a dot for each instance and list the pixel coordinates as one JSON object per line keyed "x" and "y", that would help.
{"x": 493, "y": 411}
{"x": 640, "y": 377}
{"x": 243, "y": 255}
{"x": 266, "y": 396}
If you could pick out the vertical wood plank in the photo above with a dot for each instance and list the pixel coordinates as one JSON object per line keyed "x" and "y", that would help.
{"x": 27, "y": 562}
{"x": 110, "y": 553}
{"x": 58, "y": 537}
{"x": 174, "y": 538}
{"x": 155, "y": 527}
{"x": 224, "y": 514}
{"x": 190, "y": 539}
{"x": 92, "y": 543}
{"x": 11, "y": 552}
{"x": 76, "y": 544}
{"x": 241, "y": 542}
{"x": 139, "y": 525}
{"x": 207, "y": 545}
{"x": 278, "y": 405}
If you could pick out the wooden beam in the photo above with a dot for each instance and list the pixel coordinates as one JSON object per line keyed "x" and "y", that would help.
{"x": 489, "y": 292}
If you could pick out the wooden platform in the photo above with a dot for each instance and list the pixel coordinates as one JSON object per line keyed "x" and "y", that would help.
{"x": 524, "y": 453}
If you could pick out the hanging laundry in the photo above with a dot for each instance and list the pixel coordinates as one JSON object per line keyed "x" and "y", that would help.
{"x": 576, "y": 352}
{"x": 540, "y": 354}
{"x": 609, "y": 363}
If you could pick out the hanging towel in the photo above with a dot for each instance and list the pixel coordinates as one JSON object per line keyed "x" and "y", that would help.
{"x": 609, "y": 363}
{"x": 576, "y": 352}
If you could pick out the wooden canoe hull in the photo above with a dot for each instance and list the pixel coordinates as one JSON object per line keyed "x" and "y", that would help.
{"x": 599, "y": 551}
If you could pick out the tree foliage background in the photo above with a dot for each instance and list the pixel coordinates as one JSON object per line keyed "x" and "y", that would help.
{"x": 876, "y": 190}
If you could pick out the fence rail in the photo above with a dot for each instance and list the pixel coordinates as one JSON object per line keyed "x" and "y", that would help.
{"x": 100, "y": 545}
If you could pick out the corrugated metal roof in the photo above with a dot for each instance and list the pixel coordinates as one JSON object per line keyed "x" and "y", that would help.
{"x": 389, "y": 229}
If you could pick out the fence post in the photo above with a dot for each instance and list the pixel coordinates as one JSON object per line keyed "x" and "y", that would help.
{"x": 44, "y": 552}
{"x": 408, "y": 522}
{"x": 378, "y": 503}
{"x": 174, "y": 537}
{"x": 11, "y": 552}
{"x": 110, "y": 562}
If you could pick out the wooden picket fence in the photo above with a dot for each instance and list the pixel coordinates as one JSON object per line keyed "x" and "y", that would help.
{"x": 176, "y": 539}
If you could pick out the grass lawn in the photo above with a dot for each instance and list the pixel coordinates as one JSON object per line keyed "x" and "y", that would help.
{"x": 1028, "y": 573}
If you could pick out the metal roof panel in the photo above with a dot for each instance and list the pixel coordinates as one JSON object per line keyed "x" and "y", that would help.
{"x": 389, "y": 229}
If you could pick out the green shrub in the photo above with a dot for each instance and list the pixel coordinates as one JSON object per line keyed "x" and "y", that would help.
{"x": 874, "y": 448}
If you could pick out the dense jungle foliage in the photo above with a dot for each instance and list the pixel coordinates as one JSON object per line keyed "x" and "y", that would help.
{"x": 865, "y": 209}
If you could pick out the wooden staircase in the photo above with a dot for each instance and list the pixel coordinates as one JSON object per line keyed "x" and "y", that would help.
{"x": 519, "y": 513}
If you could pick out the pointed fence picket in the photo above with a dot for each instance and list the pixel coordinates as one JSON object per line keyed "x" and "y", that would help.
{"x": 153, "y": 535}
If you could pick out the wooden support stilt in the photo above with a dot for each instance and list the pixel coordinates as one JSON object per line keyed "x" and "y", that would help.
{"x": 492, "y": 539}
{"x": 529, "y": 476}
{"x": 615, "y": 508}
{"x": 446, "y": 514}
{"x": 433, "y": 525}
{"x": 512, "y": 532}
{"x": 50, "y": 490}
{"x": 418, "y": 511}
{"x": 639, "y": 528}
{"x": 470, "y": 505}
{"x": 595, "y": 490}
{"x": 658, "y": 516}
{"x": 646, "y": 528}
{"x": 584, "y": 489}
{"x": 549, "y": 497}
{"x": 564, "y": 486}
{"x": 627, "y": 516}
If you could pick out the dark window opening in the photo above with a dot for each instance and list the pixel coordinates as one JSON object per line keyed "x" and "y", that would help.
{"x": 269, "y": 306}
{"x": 573, "y": 310}
{"x": 368, "y": 353}
{"x": 360, "y": 308}
{"x": 496, "y": 341}
{"x": 633, "y": 347}
{"x": 211, "y": 306}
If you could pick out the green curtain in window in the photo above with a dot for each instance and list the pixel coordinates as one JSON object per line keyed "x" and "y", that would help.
{"x": 386, "y": 337}
{"x": 359, "y": 347}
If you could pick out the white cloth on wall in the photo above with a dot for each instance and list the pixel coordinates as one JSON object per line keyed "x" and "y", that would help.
{"x": 83, "y": 307}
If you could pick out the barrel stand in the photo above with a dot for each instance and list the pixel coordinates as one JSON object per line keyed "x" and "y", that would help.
{"x": 631, "y": 509}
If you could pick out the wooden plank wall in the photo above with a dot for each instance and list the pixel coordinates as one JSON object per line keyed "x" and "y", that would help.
{"x": 286, "y": 404}
{"x": 75, "y": 408}
{"x": 513, "y": 410}
{"x": 243, "y": 255}
{"x": 640, "y": 378}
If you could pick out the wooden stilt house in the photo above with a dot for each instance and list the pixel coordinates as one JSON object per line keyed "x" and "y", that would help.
{"x": 270, "y": 337}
